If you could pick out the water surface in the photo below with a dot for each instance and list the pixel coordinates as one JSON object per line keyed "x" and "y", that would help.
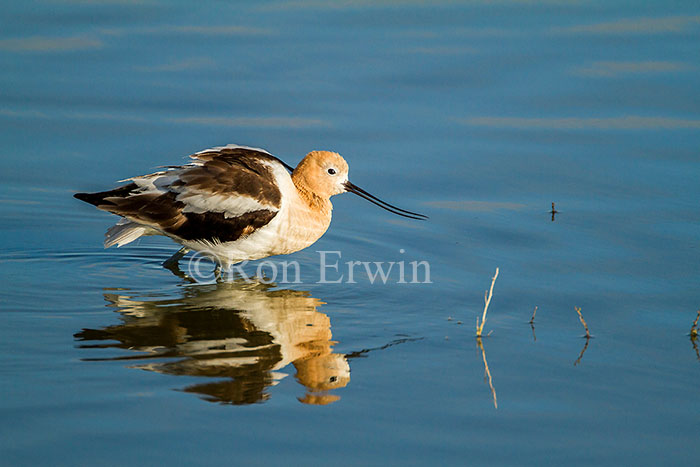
{"x": 479, "y": 114}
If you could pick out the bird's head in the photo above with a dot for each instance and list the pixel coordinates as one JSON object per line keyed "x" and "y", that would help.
{"x": 325, "y": 174}
{"x": 322, "y": 172}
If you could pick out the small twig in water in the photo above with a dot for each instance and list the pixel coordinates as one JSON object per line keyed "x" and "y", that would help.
{"x": 532, "y": 324}
{"x": 694, "y": 335}
{"x": 532, "y": 320}
{"x": 694, "y": 327}
{"x": 487, "y": 299}
{"x": 583, "y": 321}
{"x": 587, "y": 336}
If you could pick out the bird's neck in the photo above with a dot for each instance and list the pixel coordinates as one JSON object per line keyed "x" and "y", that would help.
{"x": 321, "y": 205}
{"x": 315, "y": 203}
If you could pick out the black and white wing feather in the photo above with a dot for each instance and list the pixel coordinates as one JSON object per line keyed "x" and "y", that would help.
{"x": 226, "y": 193}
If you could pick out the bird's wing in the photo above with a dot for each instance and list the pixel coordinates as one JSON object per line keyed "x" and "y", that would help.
{"x": 226, "y": 193}
{"x": 232, "y": 150}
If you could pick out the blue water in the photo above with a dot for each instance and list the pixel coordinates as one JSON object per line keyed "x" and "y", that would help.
{"x": 479, "y": 114}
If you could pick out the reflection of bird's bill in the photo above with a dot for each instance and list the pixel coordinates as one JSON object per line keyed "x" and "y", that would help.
{"x": 233, "y": 329}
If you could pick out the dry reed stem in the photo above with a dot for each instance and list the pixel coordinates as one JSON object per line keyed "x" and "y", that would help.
{"x": 487, "y": 373}
{"x": 487, "y": 299}
{"x": 694, "y": 327}
{"x": 532, "y": 320}
{"x": 583, "y": 321}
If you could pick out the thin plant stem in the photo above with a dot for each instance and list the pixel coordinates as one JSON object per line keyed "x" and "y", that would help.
{"x": 583, "y": 321}
{"x": 694, "y": 327}
{"x": 487, "y": 301}
{"x": 532, "y": 320}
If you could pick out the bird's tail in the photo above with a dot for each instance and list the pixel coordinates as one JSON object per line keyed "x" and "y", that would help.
{"x": 101, "y": 199}
{"x": 124, "y": 232}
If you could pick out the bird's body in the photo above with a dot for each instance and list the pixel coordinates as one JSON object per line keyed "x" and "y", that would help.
{"x": 233, "y": 203}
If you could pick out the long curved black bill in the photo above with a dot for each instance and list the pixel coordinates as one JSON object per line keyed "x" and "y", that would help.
{"x": 382, "y": 204}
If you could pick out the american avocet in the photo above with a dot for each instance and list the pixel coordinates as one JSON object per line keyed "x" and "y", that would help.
{"x": 233, "y": 203}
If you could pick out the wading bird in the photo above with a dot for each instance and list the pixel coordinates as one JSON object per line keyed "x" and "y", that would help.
{"x": 232, "y": 203}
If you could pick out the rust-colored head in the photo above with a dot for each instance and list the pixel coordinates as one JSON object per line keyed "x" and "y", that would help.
{"x": 323, "y": 173}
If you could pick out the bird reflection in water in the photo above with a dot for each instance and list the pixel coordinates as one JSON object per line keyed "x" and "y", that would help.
{"x": 241, "y": 334}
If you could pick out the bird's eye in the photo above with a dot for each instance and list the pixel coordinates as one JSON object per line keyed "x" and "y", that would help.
{"x": 331, "y": 171}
